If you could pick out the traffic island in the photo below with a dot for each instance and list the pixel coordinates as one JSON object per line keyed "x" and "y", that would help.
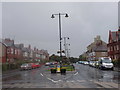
{"x": 53, "y": 70}
{"x": 63, "y": 71}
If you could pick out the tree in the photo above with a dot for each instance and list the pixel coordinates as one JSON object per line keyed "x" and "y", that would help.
{"x": 82, "y": 58}
{"x": 54, "y": 57}
{"x": 73, "y": 59}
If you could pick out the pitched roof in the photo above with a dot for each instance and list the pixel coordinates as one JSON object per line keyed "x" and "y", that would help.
{"x": 25, "y": 49}
{"x": 8, "y": 42}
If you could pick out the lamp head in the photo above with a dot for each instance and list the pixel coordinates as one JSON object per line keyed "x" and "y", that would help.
{"x": 66, "y": 15}
{"x": 52, "y": 16}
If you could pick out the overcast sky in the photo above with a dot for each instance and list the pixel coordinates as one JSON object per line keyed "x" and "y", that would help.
{"x": 31, "y": 23}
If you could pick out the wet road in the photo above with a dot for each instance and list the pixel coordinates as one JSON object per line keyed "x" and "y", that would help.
{"x": 83, "y": 77}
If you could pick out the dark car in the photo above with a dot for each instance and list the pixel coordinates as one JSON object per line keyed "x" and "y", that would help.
{"x": 25, "y": 66}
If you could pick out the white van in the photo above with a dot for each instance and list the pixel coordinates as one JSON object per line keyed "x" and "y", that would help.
{"x": 105, "y": 63}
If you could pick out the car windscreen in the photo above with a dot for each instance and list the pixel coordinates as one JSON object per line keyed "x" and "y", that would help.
{"x": 24, "y": 64}
{"x": 106, "y": 61}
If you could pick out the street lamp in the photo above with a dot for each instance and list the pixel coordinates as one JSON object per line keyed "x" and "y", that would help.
{"x": 59, "y": 15}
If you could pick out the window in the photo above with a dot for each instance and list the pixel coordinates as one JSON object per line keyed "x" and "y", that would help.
{"x": 114, "y": 48}
{"x": 26, "y": 54}
{"x": 8, "y": 51}
{"x": 108, "y": 49}
{"x": 117, "y": 47}
{"x": 111, "y": 48}
{"x": 15, "y": 51}
{"x": 12, "y": 51}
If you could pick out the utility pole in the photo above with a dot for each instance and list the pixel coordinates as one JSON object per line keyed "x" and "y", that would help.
{"x": 66, "y": 47}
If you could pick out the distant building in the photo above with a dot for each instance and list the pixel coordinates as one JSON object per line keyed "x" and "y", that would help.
{"x": 97, "y": 49}
{"x": 3, "y": 53}
{"x": 11, "y": 52}
{"x": 114, "y": 44}
{"x": 44, "y": 55}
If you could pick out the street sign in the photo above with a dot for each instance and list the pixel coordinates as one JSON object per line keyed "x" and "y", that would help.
{"x": 58, "y": 68}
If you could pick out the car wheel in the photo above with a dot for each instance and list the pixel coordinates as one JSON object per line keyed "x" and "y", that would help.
{"x": 101, "y": 68}
{"x": 112, "y": 68}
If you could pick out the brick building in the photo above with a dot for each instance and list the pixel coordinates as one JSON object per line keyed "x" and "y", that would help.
{"x": 114, "y": 44}
{"x": 11, "y": 52}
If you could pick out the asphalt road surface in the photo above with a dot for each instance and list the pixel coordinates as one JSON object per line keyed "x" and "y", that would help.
{"x": 83, "y": 77}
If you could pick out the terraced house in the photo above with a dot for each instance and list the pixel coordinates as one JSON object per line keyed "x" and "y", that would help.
{"x": 11, "y": 52}
{"x": 114, "y": 44}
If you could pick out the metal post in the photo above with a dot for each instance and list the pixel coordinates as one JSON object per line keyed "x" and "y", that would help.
{"x": 65, "y": 46}
{"x": 59, "y": 14}
{"x": 60, "y": 36}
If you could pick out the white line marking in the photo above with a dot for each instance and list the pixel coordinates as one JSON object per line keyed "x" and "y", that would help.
{"x": 59, "y": 80}
{"x": 70, "y": 81}
{"x": 76, "y": 73}
{"x": 81, "y": 80}
{"x": 53, "y": 80}
{"x": 41, "y": 74}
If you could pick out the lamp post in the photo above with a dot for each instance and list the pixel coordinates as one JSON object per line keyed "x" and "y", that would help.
{"x": 59, "y": 15}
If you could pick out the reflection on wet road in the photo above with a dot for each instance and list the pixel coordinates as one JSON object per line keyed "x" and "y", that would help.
{"x": 83, "y": 77}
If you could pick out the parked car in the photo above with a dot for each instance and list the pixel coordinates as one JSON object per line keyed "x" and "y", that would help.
{"x": 96, "y": 64}
{"x": 80, "y": 62}
{"x": 25, "y": 66}
{"x": 33, "y": 65}
{"x": 85, "y": 63}
{"x": 105, "y": 63}
{"x": 54, "y": 63}
{"x": 47, "y": 63}
{"x": 92, "y": 63}
{"x": 37, "y": 65}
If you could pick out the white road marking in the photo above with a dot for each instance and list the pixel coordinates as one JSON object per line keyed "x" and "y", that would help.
{"x": 70, "y": 81}
{"x": 41, "y": 74}
{"x": 59, "y": 80}
{"x": 76, "y": 73}
{"x": 53, "y": 80}
{"x": 81, "y": 80}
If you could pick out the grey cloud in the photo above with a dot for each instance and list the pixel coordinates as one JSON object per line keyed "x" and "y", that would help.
{"x": 30, "y": 23}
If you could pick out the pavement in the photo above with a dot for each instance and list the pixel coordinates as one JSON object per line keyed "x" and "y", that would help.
{"x": 117, "y": 69}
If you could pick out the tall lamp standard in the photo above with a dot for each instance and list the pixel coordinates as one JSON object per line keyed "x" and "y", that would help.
{"x": 59, "y": 15}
